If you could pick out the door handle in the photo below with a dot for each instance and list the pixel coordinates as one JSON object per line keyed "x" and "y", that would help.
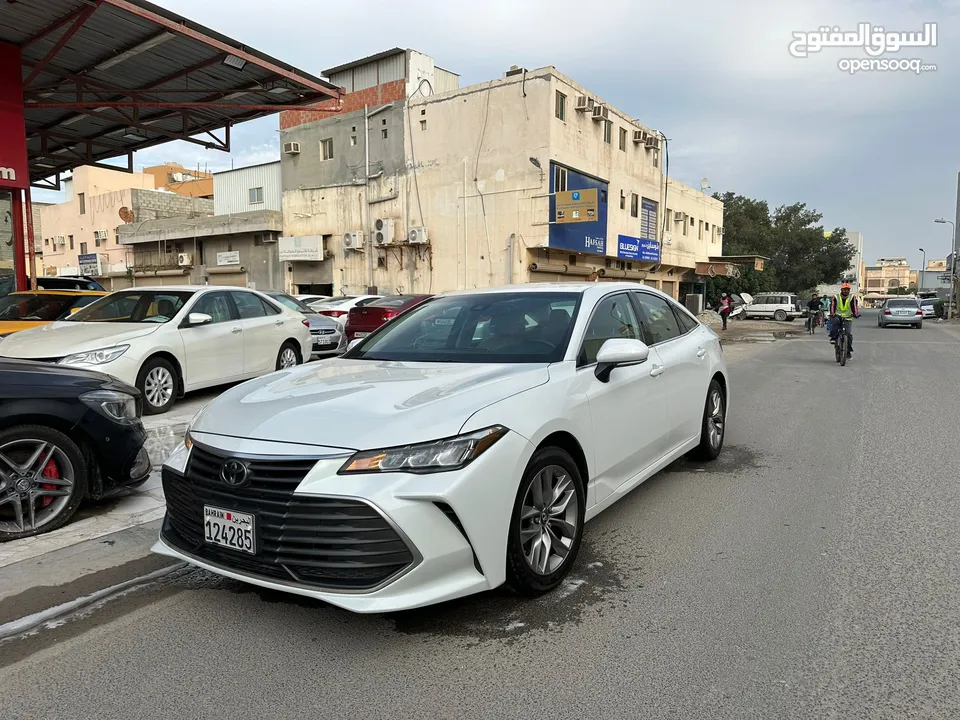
{"x": 657, "y": 371}
{"x": 279, "y": 322}
{"x": 236, "y": 330}
{"x": 701, "y": 352}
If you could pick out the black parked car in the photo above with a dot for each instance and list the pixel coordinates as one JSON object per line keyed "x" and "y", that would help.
{"x": 65, "y": 434}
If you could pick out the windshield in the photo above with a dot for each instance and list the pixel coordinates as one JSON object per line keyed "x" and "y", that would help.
{"x": 901, "y": 303}
{"x": 929, "y": 301}
{"x": 134, "y": 306}
{"x": 394, "y": 301}
{"x": 291, "y": 303}
{"x": 526, "y": 327}
{"x": 338, "y": 301}
{"x": 40, "y": 307}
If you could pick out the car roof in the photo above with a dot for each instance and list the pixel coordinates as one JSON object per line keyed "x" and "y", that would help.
{"x": 66, "y": 293}
{"x": 182, "y": 288}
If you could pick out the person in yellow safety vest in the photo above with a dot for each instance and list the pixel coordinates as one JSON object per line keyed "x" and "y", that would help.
{"x": 845, "y": 306}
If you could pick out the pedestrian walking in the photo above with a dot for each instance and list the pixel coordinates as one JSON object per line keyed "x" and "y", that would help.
{"x": 726, "y": 305}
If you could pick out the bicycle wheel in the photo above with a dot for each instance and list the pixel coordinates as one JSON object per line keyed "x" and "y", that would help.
{"x": 842, "y": 346}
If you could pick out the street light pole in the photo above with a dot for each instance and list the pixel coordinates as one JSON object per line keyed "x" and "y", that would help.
{"x": 923, "y": 266}
{"x": 953, "y": 264}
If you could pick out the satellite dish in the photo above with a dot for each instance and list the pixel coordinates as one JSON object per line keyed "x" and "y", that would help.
{"x": 704, "y": 184}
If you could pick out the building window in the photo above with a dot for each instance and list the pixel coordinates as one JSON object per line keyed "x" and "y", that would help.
{"x": 656, "y": 158}
{"x": 256, "y": 195}
{"x": 353, "y": 141}
{"x": 607, "y": 132}
{"x": 684, "y": 225}
{"x": 96, "y": 241}
{"x": 423, "y": 124}
{"x": 258, "y": 240}
{"x": 82, "y": 198}
{"x": 634, "y": 205}
{"x": 623, "y": 200}
{"x": 116, "y": 237}
{"x": 648, "y": 219}
{"x": 623, "y": 139}
{"x": 71, "y": 241}
{"x": 559, "y": 179}
{"x": 700, "y": 231}
{"x": 561, "y": 111}
{"x": 83, "y": 248}
{"x": 383, "y": 133}
{"x": 326, "y": 149}
{"x": 46, "y": 241}
{"x": 383, "y": 121}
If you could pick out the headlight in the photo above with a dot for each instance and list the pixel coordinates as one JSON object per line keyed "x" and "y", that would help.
{"x": 117, "y": 406}
{"x": 95, "y": 357}
{"x": 438, "y": 456}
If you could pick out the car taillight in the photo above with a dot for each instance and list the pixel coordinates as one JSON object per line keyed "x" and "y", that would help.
{"x": 919, "y": 312}
{"x": 306, "y": 323}
{"x": 887, "y": 312}
{"x": 333, "y": 313}
{"x": 389, "y": 314}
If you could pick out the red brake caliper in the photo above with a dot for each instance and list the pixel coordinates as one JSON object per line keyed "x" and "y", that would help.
{"x": 50, "y": 471}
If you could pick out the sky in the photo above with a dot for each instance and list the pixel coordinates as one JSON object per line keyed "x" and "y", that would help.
{"x": 875, "y": 152}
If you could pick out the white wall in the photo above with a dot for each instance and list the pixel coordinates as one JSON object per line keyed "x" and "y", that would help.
{"x": 231, "y": 189}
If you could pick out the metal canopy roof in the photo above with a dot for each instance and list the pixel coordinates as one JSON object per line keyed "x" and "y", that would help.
{"x": 105, "y": 78}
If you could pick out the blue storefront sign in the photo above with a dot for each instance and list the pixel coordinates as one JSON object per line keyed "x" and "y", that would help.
{"x": 586, "y": 233}
{"x": 631, "y": 248}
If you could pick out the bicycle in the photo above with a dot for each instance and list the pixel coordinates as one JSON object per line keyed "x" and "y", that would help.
{"x": 843, "y": 341}
{"x": 814, "y": 321}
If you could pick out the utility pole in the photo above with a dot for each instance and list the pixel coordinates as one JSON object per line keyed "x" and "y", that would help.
{"x": 923, "y": 267}
{"x": 953, "y": 246}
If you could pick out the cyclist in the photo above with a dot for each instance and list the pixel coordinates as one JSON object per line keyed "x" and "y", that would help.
{"x": 844, "y": 306}
{"x": 814, "y": 308}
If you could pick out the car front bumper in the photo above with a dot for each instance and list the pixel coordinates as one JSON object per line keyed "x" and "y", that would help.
{"x": 453, "y": 525}
{"x": 120, "y": 452}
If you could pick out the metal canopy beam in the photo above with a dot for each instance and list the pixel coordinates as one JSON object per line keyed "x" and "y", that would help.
{"x": 58, "y": 46}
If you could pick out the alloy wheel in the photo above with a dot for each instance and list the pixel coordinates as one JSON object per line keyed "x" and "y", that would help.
{"x": 288, "y": 358}
{"x": 36, "y": 482}
{"x": 715, "y": 420}
{"x": 158, "y": 386}
{"x": 549, "y": 519}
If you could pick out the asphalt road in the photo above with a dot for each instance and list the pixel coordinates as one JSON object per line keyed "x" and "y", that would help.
{"x": 812, "y": 572}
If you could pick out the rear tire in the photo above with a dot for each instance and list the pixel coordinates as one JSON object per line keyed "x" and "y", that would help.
{"x": 525, "y": 541}
{"x": 779, "y": 316}
{"x": 288, "y": 357}
{"x": 713, "y": 426}
{"x": 920, "y": 325}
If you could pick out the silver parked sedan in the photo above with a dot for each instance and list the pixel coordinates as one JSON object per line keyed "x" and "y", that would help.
{"x": 900, "y": 311}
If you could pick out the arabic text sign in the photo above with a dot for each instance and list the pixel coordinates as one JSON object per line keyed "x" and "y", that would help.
{"x": 308, "y": 248}
{"x": 89, "y": 264}
{"x": 577, "y": 206}
{"x": 875, "y": 40}
{"x": 631, "y": 248}
{"x": 228, "y": 258}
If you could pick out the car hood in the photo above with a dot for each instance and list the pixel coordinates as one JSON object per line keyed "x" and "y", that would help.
{"x": 364, "y": 404}
{"x": 64, "y": 338}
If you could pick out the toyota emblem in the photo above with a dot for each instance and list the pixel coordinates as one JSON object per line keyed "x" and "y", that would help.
{"x": 234, "y": 473}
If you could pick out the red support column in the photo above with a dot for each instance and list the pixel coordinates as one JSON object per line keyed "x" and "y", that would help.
{"x": 20, "y": 272}
{"x": 31, "y": 241}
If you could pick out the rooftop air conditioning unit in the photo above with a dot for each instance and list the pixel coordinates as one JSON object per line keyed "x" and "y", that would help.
{"x": 353, "y": 240}
{"x": 291, "y": 148}
{"x": 639, "y": 136}
{"x": 584, "y": 103}
{"x": 100, "y": 235}
{"x": 60, "y": 240}
{"x": 185, "y": 260}
{"x": 653, "y": 142}
{"x": 600, "y": 112}
{"x": 383, "y": 231}
{"x": 417, "y": 236}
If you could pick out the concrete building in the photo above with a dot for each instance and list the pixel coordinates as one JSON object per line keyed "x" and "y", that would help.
{"x": 237, "y": 245}
{"x": 887, "y": 276}
{"x": 6, "y": 235}
{"x": 81, "y": 235}
{"x": 854, "y": 275}
{"x": 178, "y": 179}
{"x": 526, "y": 178}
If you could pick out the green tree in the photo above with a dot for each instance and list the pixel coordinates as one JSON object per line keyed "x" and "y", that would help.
{"x": 792, "y": 237}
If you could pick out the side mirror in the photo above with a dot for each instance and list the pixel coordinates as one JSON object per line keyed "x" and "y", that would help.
{"x": 73, "y": 310}
{"x": 194, "y": 319}
{"x": 354, "y": 343}
{"x": 619, "y": 353}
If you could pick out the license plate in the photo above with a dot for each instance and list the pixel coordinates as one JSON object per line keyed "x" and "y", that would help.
{"x": 323, "y": 344}
{"x": 360, "y": 335}
{"x": 229, "y": 529}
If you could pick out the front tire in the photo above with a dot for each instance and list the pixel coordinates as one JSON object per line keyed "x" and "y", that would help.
{"x": 288, "y": 357}
{"x": 779, "y": 316}
{"x": 43, "y": 495}
{"x": 547, "y": 523}
{"x": 713, "y": 426}
{"x": 157, "y": 383}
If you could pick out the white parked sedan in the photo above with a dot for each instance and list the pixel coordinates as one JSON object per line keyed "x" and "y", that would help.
{"x": 170, "y": 340}
{"x": 457, "y": 448}
{"x": 339, "y": 308}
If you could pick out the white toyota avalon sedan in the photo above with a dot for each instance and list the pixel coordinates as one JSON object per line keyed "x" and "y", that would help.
{"x": 459, "y": 447}
{"x": 170, "y": 340}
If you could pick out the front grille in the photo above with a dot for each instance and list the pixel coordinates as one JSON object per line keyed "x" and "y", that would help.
{"x": 323, "y": 332}
{"x": 327, "y": 543}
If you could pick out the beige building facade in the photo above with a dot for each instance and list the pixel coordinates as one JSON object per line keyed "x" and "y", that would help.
{"x": 522, "y": 179}
{"x": 888, "y": 275}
